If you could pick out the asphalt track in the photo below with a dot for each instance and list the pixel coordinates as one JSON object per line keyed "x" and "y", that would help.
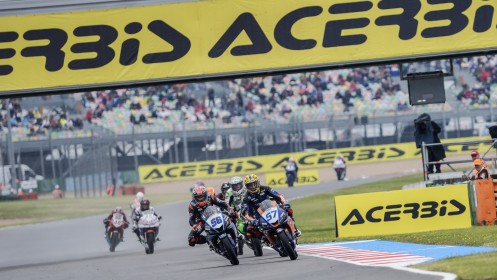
{"x": 76, "y": 249}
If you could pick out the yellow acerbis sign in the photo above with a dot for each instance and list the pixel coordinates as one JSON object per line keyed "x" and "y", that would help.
{"x": 275, "y": 163}
{"x": 218, "y": 37}
{"x": 403, "y": 211}
{"x": 306, "y": 177}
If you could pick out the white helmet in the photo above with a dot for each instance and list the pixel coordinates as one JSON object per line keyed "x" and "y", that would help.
{"x": 139, "y": 196}
{"x": 237, "y": 186}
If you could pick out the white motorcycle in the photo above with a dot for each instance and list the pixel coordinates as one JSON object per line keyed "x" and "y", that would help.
{"x": 148, "y": 227}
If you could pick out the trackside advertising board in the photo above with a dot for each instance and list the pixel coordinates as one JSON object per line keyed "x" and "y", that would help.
{"x": 403, "y": 211}
{"x": 305, "y": 177}
{"x": 178, "y": 41}
{"x": 305, "y": 160}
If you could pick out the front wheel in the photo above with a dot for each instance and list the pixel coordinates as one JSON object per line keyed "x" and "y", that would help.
{"x": 114, "y": 240}
{"x": 257, "y": 247}
{"x": 230, "y": 251}
{"x": 150, "y": 242}
{"x": 287, "y": 246}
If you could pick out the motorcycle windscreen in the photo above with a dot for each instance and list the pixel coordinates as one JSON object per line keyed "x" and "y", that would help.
{"x": 209, "y": 211}
{"x": 266, "y": 204}
{"x": 117, "y": 216}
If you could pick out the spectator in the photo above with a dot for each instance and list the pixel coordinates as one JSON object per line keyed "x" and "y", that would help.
{"x": 210, "y": 95}
{"x": 480, "y": 172}
{"x": 57, "y": 193}
{"x": 476, "y": 155}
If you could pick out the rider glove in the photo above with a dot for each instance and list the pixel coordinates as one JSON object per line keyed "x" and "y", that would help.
{"x": 254, "y": 222}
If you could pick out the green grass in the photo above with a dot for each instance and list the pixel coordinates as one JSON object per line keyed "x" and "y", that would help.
{"x": 314, "y": 216}
{"x": 23, "y": 212}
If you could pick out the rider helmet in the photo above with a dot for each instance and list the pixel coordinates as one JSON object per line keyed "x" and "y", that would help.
{"x": 291, "y": 160}
{"x": 199, "y": 194}
{"x": 252, "y": 183}
{"x": 225, "y": 187}
{"x": 139, "y": 196}
{"x": 210, "y": 191}
{"x": 145, "y": 205}
{"x": 237, "y": 186}
{"x": 118, "y": 209}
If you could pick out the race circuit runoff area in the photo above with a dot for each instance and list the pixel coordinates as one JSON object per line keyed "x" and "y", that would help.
{"x": 386, "y": 253}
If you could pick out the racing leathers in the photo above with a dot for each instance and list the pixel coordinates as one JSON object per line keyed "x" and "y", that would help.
{"x": 111, "y": 215}
{"x": 195, "y": 220}
{"x": 137, "y": 215}
{"x": 252, "y": 200}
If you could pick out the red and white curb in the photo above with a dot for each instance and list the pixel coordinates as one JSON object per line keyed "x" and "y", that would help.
{"x": 362, "y": 257}
{"x": 369, "y": 257}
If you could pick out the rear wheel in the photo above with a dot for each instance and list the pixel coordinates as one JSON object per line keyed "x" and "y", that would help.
{"x": 150, "y": 242}
{"x": 287, "y": 246}
{"x": 230, "y": 251}
{"x": 257, "y": 247}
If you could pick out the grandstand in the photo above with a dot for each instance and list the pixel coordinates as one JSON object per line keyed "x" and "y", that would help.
{"x": 226, "y": 119}
{"x": 360, "y": 93}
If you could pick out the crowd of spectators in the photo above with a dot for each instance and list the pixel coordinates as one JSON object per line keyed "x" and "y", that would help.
{"x": 308, "y": 96}
{"x": 475, "y": 95}
{"x": 311, "y": 96}
{"x": 36, "y": 121}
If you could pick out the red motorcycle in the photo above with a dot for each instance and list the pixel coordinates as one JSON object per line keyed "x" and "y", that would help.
{"x": 115, "y": 232}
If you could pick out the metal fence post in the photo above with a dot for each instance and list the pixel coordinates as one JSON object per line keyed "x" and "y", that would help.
{"x": 10, "y": 149}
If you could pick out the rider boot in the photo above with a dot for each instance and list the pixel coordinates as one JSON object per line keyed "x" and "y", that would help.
{"x": 298, "y": 233}
{"x": 137, "y": 234}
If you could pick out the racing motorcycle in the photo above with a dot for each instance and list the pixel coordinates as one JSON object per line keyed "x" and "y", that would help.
{"x": 220, "y": 231}
{"x": 115, "y": 231}
{"x": 278, "y": 228}
{"x": 252, "y": 237}
{"x": 148, "y": 227}
{"x": 290, "y": 178}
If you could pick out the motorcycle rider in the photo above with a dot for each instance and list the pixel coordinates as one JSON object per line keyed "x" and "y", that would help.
{"x": 200, "y": 200}
{"x": 234, "y": 197}
{"x": 135, "y": 204}
{"x": 339, "y": 164}
{"x": 256, "y": 193}
{"x": 223, "y": 195}
{"x": 291, "y": 169}
{"x": 107, "y": 220}
{"x": 144, "y": 206}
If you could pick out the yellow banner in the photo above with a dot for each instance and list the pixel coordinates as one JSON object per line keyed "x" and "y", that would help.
{"x": 305, "y": 160}
{"x": 403, "y": 211}
{"x": 305, "y": 177}
{"x": 215, "y": 38}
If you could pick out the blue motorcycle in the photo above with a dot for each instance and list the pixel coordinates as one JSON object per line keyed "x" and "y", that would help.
{"x": 278, "y": 228}
{"x": 221, "y": 233}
